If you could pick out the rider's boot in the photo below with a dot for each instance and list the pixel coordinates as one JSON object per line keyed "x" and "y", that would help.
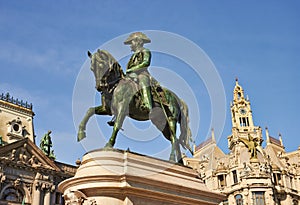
{"x": 146, "y": 98}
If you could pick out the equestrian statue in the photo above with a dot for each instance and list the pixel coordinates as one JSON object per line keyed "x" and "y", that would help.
{"x": 137, "y": 95}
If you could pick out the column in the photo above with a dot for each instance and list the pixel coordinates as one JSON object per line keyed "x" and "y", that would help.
{"x": 287, "y": 201}
{"x": 47, "y": 198}
{"x": 36, "y": 194}
{"x": 297, "y": 183}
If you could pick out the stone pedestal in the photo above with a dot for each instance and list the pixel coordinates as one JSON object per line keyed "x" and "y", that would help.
{"x": 116, "y": 177}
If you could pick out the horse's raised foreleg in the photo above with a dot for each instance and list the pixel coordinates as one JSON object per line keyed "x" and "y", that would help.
{"x": 99, "y": 110}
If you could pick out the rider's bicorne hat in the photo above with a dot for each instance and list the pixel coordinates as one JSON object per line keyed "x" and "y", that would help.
{"x": 135, "y": 35}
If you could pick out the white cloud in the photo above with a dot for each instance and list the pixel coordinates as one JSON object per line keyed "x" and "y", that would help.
{"x": 57, "y": 59}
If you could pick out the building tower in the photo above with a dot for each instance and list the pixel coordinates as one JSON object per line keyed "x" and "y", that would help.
{"x": 242, "y": 121}
{"x": 16, "y": 120}
{"x": 27, "y": 174}
{"x": 249, "y": 173}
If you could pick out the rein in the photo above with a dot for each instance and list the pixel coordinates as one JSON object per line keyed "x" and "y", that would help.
{"x": 110, "y": 85}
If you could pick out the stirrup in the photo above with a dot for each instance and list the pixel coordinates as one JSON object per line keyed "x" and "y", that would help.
{"x": 111, "y": 123}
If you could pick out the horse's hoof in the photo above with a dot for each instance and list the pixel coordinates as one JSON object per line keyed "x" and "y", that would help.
{"x": 108, "y": 146}
{"x": 180, "y": 162}
{"x": 172, "y": 159}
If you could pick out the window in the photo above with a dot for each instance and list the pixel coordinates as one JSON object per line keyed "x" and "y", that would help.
{"x": 244, "y": 121}
{"x": 13, "y": 195}
{"x": 291, "y": 182}
{"x": 16, "y": 127}
{"x": 258, "y": 198}
{"x": 239, "y": 95}
{"x": 1, "y": 141}
{"x": 222, "y": 180}
{"x": 295, "y": 202}
{"x": 235, "y": 178}
{"x": 239, "y": 199}
{"x": 277, "y": 178}
{"x": 58, "y": 198}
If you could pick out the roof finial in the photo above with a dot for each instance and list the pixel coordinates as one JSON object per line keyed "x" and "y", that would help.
{"x": 236, "y": 81}
{"x": 280, "y": 139}
{"x": 213, "y": 135}
{"x": 267, "y": 135}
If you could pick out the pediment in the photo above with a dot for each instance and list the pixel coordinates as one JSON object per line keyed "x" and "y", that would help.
{"x": 25, "y": 153}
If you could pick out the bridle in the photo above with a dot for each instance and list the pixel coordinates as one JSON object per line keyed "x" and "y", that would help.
{"x": 106, "y": 84}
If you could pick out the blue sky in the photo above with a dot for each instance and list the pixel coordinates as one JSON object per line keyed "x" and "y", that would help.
{"x": 43, "y": 47}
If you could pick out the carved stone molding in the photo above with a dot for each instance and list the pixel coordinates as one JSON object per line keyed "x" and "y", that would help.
{"x": 92, "y": 202}
{"x": 2, "y": 177}
{"x": 76, "y": 198}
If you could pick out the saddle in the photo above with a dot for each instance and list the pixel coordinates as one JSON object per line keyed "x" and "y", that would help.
{"x": 158, "y": 94}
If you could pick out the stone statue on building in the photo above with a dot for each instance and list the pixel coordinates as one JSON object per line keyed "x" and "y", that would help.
{"x": 247, "y": 169}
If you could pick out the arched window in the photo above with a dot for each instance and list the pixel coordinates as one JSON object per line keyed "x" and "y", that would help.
{"x": 239, "y": 199}
{"x": 13, "y": 195}
{"x": 239, "y": 95}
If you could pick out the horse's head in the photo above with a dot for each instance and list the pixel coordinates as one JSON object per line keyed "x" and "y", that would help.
{"x": 106, "y": 69}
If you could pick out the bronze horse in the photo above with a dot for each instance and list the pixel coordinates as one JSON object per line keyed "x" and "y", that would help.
{"x": 120, "y": 98}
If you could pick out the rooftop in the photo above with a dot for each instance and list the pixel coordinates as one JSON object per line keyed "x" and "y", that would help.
{"x": 6, "y": 97}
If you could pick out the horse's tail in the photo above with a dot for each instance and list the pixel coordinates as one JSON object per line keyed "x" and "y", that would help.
{"x": 185, "y": 132}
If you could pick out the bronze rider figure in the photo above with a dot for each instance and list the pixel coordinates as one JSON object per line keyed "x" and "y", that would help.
{"x": 137, "y": 67}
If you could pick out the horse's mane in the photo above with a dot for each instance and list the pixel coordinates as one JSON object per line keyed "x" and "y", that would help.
{"x": 110, "y": 64}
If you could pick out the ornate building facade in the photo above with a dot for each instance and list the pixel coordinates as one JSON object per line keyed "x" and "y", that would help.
{"x": 249, "y": 174}
{"x": 27, "y": 175}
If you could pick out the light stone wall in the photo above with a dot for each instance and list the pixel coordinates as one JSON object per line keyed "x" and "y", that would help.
{"x": 255, "y": 175}
{"x": 26, "y": 173}
{"x": 16, "y": 122}
{"x": 117, "y": 177}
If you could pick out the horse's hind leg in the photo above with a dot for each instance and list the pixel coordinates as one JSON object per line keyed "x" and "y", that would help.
{"x": 171, "y": 134}
{"x": 178, "y": 152}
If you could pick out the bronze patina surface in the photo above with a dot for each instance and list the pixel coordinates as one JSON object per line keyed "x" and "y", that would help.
{"x": 137, "y": 95}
